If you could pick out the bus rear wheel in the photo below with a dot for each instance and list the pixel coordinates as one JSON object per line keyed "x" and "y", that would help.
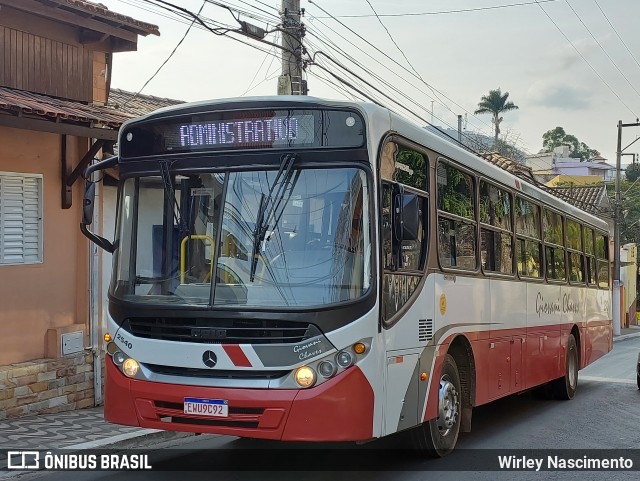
{"x": 565, "y": 387}
{"x": 438, "y": 437}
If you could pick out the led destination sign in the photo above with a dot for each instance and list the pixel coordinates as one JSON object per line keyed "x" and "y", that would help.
{"x": 274, "y": 131}
{"x": 240, "y": 130}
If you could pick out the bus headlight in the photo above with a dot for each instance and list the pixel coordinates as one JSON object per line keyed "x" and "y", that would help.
{"x": 112, "y": 348}
{"x": 327, "y": 369}
{"x": 344, "y": 359}
{"x": 118, "y": 358}
{"x": 305, "y": 376}
{"x": 130, "y": 367}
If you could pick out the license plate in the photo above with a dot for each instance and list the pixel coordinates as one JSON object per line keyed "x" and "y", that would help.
{"x": 217, "y": 408}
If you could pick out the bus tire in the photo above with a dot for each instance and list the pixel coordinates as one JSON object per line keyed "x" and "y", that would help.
{"x": 565, "y": 387}
{"x": 438, "y": 437}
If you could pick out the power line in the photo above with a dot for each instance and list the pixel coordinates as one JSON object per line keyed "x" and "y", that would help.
{"x": 385, "y": 95}
{"x": 257, "y": 72}
{"x": 269, "y": 53}
{"x": 199, "y": 19}
{"x": 340, "y": 50}
{"x": 443, "y": 12}
{"x": 393, "y": 40}
{"x": 168, "y": 58}
{"x": 433, "y": 89}
{"x": 602, "y": 48}
{"x": 614, "y": 29}
{"x": 269, "y": 14}
{"x": 585, "y": 60}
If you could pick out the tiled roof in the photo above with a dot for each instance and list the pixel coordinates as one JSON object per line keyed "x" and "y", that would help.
{"x": 22, "y": 102}
{"x": 509, "y": 165}
{"x": 136, "y": 105}
{"x": 101, "y": 13}
{"x": 592, "y": 198}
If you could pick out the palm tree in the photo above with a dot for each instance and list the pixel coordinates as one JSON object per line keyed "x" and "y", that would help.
{"x": 495, "y": 103}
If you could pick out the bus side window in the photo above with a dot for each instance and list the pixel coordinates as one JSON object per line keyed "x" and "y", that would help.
{"x": 554, "y": 245}
{"x": 496, "y": 239}
{"x": 574, "y": 252}
{"x": 456, "y": 218}
{"x": 591, "y": 270}
{"x": 528, "y": 239}
{"x": 602, "y": 244}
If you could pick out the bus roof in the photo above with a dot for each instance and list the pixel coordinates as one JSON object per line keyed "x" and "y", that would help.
{"x": 381, "y": 121}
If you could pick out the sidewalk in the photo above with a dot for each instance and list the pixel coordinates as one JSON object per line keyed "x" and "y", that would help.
{"x": 80, "y": 429}
{"x": 86, "y": 428}
{"x": 627, "y": 333}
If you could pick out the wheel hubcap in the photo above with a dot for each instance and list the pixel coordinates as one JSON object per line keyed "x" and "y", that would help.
{"x": 448, "y": 405}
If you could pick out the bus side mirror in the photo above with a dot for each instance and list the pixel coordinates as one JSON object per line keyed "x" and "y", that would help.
{"x": 87, "y": 203}
{"x": 406, "y": 213}
{"x": 410, "y": 217}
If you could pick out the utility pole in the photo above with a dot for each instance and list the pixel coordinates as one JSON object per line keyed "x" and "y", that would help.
{"x": 291, "y": 82}
{"x": 460, "y": 128}
{"x": 616, "y": 239}
{"x": 617, "y": 217}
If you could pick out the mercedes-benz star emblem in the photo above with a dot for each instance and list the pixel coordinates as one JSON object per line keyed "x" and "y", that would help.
{"x": 209, "y": 358}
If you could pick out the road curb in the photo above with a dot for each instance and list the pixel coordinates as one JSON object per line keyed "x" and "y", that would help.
{"x": 624, "y": 337}
{"x": 132, "y": 440}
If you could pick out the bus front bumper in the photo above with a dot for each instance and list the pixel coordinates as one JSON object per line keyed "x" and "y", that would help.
{"x": 340, "y": 409}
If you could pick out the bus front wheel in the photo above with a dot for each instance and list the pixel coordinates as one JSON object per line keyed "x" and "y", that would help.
{"x": 438, "y": 437}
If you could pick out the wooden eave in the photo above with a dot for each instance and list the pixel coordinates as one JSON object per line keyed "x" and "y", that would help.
{"x": 94, "y": 27}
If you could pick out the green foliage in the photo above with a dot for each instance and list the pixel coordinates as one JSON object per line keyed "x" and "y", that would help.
{"x": 557, "y": 137}
{"x": 632, "y": 172}
{"x": 495, "y": 103}
{"x": 417, "y": 165}
{"x": 509, "y": 151}
{"x": 455, "y": 196}
{"x": 630, "y": 226}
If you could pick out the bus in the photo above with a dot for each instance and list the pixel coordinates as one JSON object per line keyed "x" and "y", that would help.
{"x": 298, "y": 269}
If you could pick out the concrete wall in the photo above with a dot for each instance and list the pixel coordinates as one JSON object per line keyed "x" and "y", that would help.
{"x": 54, "y": 294}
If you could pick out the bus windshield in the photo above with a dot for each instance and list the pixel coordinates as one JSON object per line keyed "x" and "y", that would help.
{"x": 264, "y": 239}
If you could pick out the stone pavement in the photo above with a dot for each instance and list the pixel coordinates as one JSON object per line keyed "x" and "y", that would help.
{"x": 86, "y": 428}
{"x": 80, "y": 429}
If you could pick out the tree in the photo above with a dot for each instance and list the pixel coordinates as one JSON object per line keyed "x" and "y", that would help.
{"x": 577, "y": 150}
{"x": 495, "y": 103}
{"x": 632, "y": 172}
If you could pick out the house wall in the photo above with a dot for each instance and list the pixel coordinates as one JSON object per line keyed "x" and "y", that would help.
{"x": 53, "y": 294}
{"x": 628, "y": 276}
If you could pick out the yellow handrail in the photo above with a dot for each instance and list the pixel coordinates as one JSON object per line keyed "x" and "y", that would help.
{"x": 183, "y": 253}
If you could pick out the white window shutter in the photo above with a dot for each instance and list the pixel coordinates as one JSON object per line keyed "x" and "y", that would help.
{"x": 20, "y": 218}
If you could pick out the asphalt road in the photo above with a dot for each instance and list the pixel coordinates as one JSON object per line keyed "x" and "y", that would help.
{"x": 605, "y": 414}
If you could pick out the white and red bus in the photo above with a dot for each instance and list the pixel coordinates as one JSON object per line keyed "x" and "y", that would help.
{"x": 299, "y": 269}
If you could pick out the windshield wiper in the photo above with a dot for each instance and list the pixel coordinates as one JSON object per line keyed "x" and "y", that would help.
{"x": 269, "y": 206}
{"x": 170, "y": 191}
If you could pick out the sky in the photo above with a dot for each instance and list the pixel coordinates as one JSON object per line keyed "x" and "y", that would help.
{"x": 568, "y": 63}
